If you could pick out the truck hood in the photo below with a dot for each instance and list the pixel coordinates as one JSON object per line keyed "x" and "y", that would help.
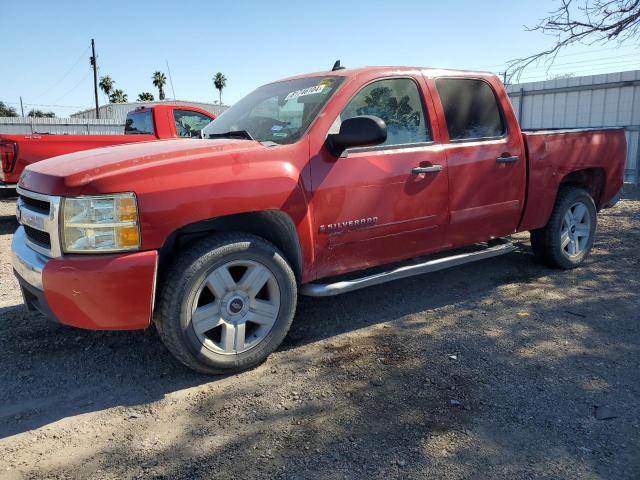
{"x": 69, "y": 174}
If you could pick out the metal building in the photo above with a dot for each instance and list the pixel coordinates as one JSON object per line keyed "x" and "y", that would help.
{"x": 607, "y": 100}
{"x": 118, "y": 111}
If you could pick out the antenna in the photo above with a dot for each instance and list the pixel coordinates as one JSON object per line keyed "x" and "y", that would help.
{"x": 337, "y": 66}
{"x": 170, "y": 80}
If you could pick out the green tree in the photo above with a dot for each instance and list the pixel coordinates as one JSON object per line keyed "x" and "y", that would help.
{"x": 145, "y": 97}
{"x": 106, "y": 85}
{"x": 118, "y": 96}
{"x": 40, "y": 114}
{"x": 159, "y": 81}
{"x": 219, "y": 81}
{"x": 7, "y": 111}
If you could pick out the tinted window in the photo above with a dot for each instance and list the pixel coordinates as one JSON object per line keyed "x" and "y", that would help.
{"x": 397, "y": 102}
{"x": 139, "y": 123}
{"x": 188, "y": 123}
{"x": 470, "y": 108}
{"x": 278, "y": 112}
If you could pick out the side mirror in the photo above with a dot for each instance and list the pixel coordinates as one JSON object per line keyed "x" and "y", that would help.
{"x": 362, "y": 131}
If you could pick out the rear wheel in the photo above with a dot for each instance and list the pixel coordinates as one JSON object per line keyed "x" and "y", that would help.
{"x": 227, "y": 303}
{"x": 568, "y": 237}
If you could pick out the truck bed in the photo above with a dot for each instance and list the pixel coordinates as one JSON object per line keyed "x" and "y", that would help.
{"x": 557, "y": 156}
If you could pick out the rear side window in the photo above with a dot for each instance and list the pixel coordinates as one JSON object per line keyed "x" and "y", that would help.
{"x": 139, "y": 123}
{"x": 470, "y": 108}
{"x": 189, "y": 123}
{"x": 397, "y": 102}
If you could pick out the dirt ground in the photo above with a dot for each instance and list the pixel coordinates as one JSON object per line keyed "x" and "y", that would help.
{"x": 492, "y": 370}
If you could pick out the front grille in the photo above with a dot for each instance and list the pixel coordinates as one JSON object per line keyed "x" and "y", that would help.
{"x": 39, "y": 215}
{"x": 35, "y": 204}
{"x": 37, "y": 236}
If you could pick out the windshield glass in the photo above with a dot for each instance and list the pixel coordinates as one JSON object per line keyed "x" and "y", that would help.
{"x": 278, "y": 112}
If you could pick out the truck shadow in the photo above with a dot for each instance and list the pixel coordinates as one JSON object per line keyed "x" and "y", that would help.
{"x": 52, "y": 371}
{"x": 518, "y": 382}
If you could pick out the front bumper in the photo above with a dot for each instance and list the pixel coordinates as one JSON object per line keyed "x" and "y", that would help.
{"x": 96, "y": 292}
{"x": 7, "y": 185}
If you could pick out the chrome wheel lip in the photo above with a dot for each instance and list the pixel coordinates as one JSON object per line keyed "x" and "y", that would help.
{"x": 257, "y": 313}
{"x": 575, "y": 230}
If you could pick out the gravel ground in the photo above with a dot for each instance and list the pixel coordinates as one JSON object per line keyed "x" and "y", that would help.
{"x": 490, "y": 370}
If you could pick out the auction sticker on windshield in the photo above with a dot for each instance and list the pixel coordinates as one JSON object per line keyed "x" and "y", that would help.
{"x": 305, "y": 91}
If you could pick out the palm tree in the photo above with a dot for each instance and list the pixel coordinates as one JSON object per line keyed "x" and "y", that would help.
{"x": 145, "y": 97}
{"x": 118, "y": 96}
{"x": 219, "y": 81}
{"x": 106, "y": 85}
{"x": 159, "y": 80}
{"x": 7, "y": 111}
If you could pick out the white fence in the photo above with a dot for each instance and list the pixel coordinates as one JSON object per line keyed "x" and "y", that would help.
{"x": 68, "y": 126}
{"x": 608, "y": 100}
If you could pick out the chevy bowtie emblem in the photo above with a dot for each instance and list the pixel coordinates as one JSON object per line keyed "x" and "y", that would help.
{"x": 362, "y": 222}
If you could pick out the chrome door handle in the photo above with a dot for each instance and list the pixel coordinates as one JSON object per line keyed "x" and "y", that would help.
{"x": 429, "y": 169}
{"x": 512, "y": 159}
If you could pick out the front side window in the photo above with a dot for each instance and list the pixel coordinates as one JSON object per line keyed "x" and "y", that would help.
{"x": 139, "y": 123}
{"x": 470, "y": 108}
{"x": 189, "y": 123}
{"x": 397, "y": 102}
{"x": 278, "y": 112}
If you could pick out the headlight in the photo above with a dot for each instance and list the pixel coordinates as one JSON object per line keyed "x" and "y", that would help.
{"x": 105, "y": 223}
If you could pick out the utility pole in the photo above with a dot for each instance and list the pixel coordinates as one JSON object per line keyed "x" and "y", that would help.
{"x": 21, "y": 107}
{"x": 94, "y": 64}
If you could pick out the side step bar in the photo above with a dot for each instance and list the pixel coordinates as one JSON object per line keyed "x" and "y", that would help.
{"x": 329, "y": 289}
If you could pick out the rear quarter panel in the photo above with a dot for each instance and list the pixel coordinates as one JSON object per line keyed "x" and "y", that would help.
{"x": 554, "y": 155}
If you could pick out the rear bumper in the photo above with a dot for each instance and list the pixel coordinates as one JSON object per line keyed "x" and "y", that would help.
{"x": 96, "y": 292}
{"x": 7, "y": 185}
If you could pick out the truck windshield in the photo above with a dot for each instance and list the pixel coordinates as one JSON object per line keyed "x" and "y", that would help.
{"x": 278, "y": 112}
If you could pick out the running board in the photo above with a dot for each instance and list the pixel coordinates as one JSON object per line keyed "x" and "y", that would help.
{"x": 329, "y": 289}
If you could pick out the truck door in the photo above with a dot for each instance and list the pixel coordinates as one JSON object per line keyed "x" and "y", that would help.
{"x": 485, "y": 157}
{"x": 380, "y": 204}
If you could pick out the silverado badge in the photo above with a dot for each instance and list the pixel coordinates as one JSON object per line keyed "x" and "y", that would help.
{"x": 339, "y": 226}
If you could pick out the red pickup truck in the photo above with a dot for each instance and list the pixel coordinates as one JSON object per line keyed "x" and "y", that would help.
{"x": 142, "y": 125}
{"x": 299, "y": 183}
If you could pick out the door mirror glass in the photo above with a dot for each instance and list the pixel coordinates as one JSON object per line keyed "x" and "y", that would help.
{"x": 360, "y": 131}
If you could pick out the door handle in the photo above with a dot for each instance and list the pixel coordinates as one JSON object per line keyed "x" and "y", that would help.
{"x": 511, "y": 159}
{"x": 429, "y": 169}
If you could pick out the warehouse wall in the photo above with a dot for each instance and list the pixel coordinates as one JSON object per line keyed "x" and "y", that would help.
{"x": 608, "y": 100}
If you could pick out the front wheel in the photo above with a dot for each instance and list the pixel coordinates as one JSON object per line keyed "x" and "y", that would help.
{"x": 227, "y": 303}
{"x": 567, "y": 238}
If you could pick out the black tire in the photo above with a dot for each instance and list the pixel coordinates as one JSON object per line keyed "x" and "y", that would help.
{"x": 184, "y": 281}
{"x": 546, "y": 242}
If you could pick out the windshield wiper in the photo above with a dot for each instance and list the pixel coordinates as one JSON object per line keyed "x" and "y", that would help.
{"x": 234, "y": 134}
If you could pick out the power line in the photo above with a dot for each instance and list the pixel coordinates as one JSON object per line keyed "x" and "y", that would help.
{"x": 590, "y": 52}
{"x": 74, "y": 87}
{"x": 65, "y": 75}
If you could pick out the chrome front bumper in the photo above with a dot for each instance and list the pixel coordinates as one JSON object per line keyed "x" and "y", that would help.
{"x": 27, "y": 263}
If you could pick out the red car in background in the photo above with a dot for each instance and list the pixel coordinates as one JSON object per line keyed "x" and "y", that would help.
{"x": 142, "y": 125}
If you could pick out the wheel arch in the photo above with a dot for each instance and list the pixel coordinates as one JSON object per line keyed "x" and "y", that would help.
{"x": 590, "y": 179}
{"x": 273, "y": 225}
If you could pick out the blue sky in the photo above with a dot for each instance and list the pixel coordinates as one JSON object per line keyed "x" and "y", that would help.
{"x": 44, "y": 47}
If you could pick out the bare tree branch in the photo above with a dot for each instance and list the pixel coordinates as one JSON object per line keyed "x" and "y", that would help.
{"x": 582, "y": 21}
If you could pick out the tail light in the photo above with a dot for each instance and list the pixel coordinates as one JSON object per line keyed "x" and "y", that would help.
{"x": 8, "y": 155}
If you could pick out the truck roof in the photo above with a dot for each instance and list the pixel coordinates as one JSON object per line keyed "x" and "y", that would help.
{"x": 385, "y": 70}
